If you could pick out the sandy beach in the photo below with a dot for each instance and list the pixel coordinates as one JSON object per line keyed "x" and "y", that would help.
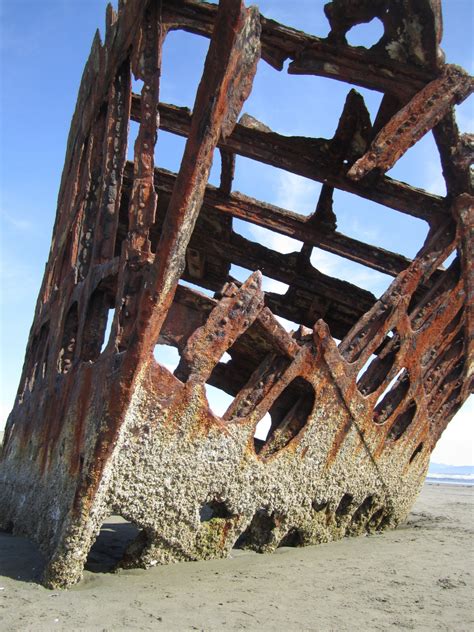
{"x": 419, "y": 577}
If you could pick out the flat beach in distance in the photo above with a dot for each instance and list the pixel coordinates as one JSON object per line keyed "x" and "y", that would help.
{"x": 418, "y": 577}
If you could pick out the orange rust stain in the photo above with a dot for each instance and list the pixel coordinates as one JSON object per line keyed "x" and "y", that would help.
{"x": 82, "y": 409}
{"x": 338, "y": 441}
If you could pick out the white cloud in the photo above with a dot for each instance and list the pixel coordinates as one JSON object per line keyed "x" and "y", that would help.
{"x": 434, "y": 181}
{"x": 363, "y": 231}
{"x": 271, "y": 285}
{"x": 296, "y": 193}
{"x": 341, "y": 268}
{"x": 456, "y": 446}
{"x": 18, "y": 223}
{"x": 465, "y": 117}
{"x": 275, "y": 241}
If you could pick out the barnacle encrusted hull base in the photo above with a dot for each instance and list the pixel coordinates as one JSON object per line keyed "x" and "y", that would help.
{"x": 197, "y": 488}
{"x": 356, "y": 396}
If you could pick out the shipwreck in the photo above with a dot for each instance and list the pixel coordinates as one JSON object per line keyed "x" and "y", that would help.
{"x": 358, "y": 394}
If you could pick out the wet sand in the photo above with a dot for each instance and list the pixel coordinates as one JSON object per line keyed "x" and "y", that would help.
{"x": 419, "y": 577}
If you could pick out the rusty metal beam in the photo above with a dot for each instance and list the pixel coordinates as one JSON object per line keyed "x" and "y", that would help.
{"x": 308, "y": 157}
{"x": 412, "y": 122}
{"x": 230, "y": 66}
{"x": 291, "y": 224}
{"x": 310, "y": 54}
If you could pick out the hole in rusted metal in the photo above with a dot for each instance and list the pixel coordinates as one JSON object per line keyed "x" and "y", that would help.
{"x": 133, "y": 130}
{"x": 449, "y": 260}
{"x": 430, "y": 174}
{"x": 99, "y": 314}
{"x": 169, "y": 150}
{"x": 320, "y": 505}
{"x": 402, "y": 422}
{"x": 41, "y": 353}
{"x": 259, "y": 532}
{"x": 137, "y": 85}
{"x": 281, "y": 188}
{"x": 344, "y": 506}
{"x": 435, "y": 290}
{"x": 345, "y": 270}
{"x": 115, "y": 537}
{"x": 37, "y": 362}
{"x": 167, "y": 356}
{"x": 374, "y": 223}
{"x": 376, "y": 519}
{"x": 216, "y": 169}
{"x": 289, "y": 325}
{"x": 218, "y": 400}
{"x": 362, "y": 372}
{"x": 273, "y": 286}
{"x": 367, "y": 34}
{"x": 374, "y": 372}
{"x": 181, "y": 74}
{"x": 289, "y": 414}
{"x": 69, "y": 339}
{"x": 293, "y": 538}
{"x": 416, "y": 452}
{"x": 253, "y": 367}
{"x": 263, "y": 428}
{"x": 194, "y": 286}
{"x": 392, "y": 396}
{"x": 363, "y": 512}
{"x": 266, "y": 237}
{"x": 108, "y": 328}
{"x": 214, "y": 509}
{"x": 274, "y": 102}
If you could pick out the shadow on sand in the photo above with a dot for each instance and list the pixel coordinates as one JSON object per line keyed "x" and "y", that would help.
{"x": 21, "y": 559}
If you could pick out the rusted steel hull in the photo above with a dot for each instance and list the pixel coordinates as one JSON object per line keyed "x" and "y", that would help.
{"x": 100, "y": 427}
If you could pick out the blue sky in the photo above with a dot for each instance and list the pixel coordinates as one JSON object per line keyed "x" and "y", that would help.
{"x": 44, "y": 46}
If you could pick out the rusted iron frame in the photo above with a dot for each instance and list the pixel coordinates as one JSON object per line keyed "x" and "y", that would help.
{"x": 346, "y": 302}
{"x": 360, "y": 342}
{"x": 190, "y": 310}
{"x": 99, "y": 72}
{"x": 148, "y": 315}
{"x": 414, "y": 120}
{"x": 412, "y": 277}
{"x": 361, "y": 407}
{"x": 310, "y": 54}
{"x": 390, "y": 311}
{"x": 235, "y": 312}
{"x": 308, "y": 157}
{"x": 226, "y": 82}
{"x": 463, "y": 211}
{"x": 456, "y": 154}
{"x": 290, "y": 224}
{"x": 253, "y": 256}
{"x": 136, "y": 256}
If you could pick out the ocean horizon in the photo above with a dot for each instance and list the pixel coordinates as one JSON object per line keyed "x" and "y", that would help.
{"x": 450, "y": 474}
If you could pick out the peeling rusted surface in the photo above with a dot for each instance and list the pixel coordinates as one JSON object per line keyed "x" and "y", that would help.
{"x": 100, "y": 426}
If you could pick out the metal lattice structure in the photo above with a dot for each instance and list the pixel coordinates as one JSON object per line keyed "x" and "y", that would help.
{"x": 98, "y": 431}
